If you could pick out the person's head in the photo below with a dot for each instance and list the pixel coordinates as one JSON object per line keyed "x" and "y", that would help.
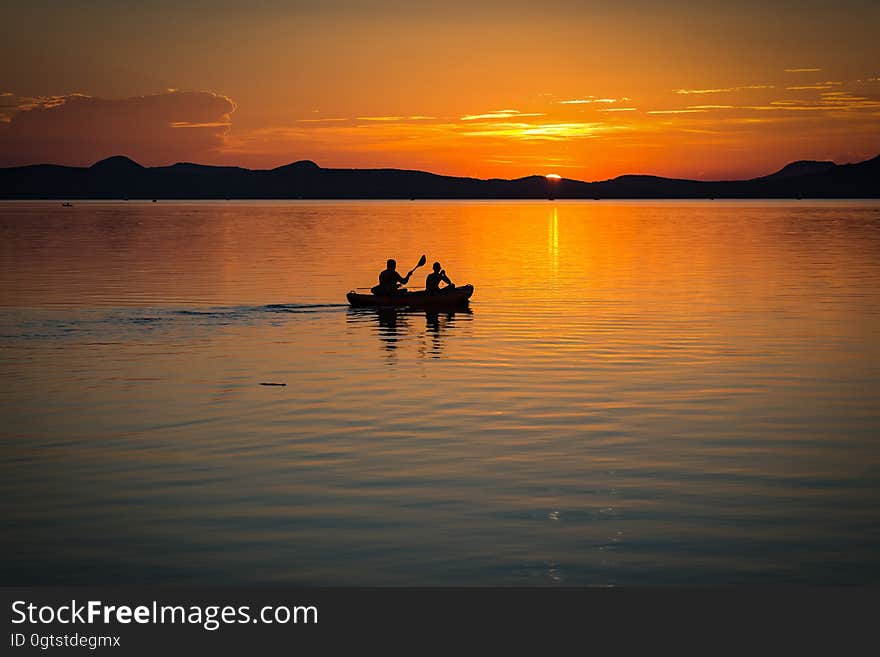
{"x": 392, "y": 264}
{"x": 436, "y": 267}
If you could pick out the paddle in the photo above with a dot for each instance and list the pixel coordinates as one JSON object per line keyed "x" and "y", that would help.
{"x": 422, "y": 261}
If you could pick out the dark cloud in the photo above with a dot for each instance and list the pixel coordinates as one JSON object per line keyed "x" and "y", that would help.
{"x": 79, "y": 130}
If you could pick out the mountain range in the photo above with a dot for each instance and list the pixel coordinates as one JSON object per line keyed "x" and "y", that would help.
{"x": 119, "y": 177}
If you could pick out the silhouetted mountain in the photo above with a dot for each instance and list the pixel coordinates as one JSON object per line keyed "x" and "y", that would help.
{"x": 121, "y": 177}
{"x": 116, "y": 164}
{"x": 801, "y": 168}
{"x": 302, "y": 165}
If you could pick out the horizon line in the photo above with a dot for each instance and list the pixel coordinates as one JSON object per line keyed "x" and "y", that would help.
{"x": 442, "y": 175}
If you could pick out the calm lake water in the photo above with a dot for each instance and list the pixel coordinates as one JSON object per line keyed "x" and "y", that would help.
{"x": 641, "y": 393}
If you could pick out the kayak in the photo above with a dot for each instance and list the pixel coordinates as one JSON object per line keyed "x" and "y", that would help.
{"x": 448, "y": 296}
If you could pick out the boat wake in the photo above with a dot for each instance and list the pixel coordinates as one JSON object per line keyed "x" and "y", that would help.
{"x": 55, "y": 324}
{"x": 302, "y": 307}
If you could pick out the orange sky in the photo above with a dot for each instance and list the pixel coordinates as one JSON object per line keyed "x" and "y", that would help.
{"x": 489, "y": 89}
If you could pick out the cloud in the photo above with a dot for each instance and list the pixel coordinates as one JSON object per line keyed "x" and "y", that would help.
{"x": 78, "y": 129}
{"x": 703, "y": 91}
{"x": 676, "y": 111}
{"x": 320, "y": 120}
{"x": 394, "y": 118}
{"x": 723, "y": 89}
{"x": 818, "y": 85}
{"x": 802, "y": 70}
{"x": 829, "y": 101}
{"x": 618, "y": 109}
{"x": 499, "y": 114}
{"x": 11, "y": 104}
{"x": 539, "y": 131}
{"x": 591, "y": 99}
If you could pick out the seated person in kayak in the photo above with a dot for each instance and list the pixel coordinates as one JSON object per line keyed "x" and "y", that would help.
{"x": 433, "y": 280}
{"x": 390, "y": 279}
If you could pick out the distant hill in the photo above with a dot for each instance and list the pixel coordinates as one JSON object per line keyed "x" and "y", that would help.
{"x": 120, "y": 177}
{"x": 800, "y": 168}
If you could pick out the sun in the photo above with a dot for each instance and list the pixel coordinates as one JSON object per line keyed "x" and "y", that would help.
{"x": 553, "y": 176}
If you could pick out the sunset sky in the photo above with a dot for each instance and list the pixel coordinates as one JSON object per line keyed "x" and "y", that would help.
{"x": 588, "y": 90}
